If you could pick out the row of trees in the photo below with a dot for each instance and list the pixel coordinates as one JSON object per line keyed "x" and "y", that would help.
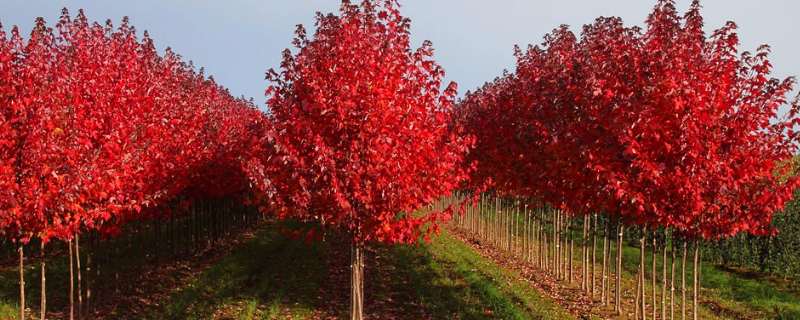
{"x": 661, "y": 127}
{"x": 98, "y": 130}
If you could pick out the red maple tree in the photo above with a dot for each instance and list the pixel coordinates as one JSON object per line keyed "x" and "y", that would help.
{"x": 363, "y": 131}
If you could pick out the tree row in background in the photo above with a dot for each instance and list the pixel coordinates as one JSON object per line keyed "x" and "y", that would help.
{"x": 662, "y": 129}
{"x": 99, "y": 131}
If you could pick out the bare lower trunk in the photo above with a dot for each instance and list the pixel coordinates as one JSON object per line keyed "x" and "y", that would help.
{"x": 672, "y": 284}
{"x": 664, "y": 278}
{"x": 653, "y": 276}
{"x": 683, "y": 283}
{"x": 584, "y": 254}
{"x": 557, "y": 243}
{"x": 696, "y": 275}
{"x": 78, "y": 271}
{"x": 71, "y": 284}
{"x": 525, "y": 234}
{"x": 642, "y": 276}
{"x": 571, "y": 247}
{"x": 637, "y": 306}
{"x": 356, "y": 281}
{"x": 604, "y": 272}
{"x": 44, "y": 297}
{"x": 21, "y": 283}
{"x": 594, "y": 250}
{"x": 618, "y": 278}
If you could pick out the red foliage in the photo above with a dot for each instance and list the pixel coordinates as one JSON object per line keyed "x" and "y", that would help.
{"x": 97, "y": 129}
{"x": 362, "y": 128}
{"x": 663, "y": 127}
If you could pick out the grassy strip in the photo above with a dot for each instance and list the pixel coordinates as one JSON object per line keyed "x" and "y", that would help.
{"x": 728, "y": 294}
{"x": 455, "y": 282}
{"x": 750, "y": 297}
{"x": 268, "y": 277}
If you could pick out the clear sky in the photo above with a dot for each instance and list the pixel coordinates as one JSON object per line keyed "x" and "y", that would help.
{"x": 238, "y": 40}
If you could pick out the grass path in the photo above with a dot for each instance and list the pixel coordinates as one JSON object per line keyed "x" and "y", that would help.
{"x": 271, "y": 277}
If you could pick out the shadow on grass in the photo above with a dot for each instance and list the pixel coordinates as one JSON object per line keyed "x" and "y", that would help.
{"x": 258, "y": 279}
{"x": 454, "y": 282}
{"x": 447, "y": 290}
{"x": 57, "y": 275}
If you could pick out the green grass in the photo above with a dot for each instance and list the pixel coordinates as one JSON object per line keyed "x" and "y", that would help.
{"x": 731, "y": 292}
{"x": 260, "y": 279}
{"x": 750, "y": 297}
{"x": 271, "y": 277}
{"x": 455, "y": 282}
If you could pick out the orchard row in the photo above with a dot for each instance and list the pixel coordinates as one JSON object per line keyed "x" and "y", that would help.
{"x": 659, "y": 128}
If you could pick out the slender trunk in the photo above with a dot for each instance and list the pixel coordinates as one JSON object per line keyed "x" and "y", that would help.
{"x": 518, "y": 242}
{"x": 672, "y": 285}
{"x": 637, "y": 306}
{"x": 696, "y": 276}
{"x": 562, "y": 246}
{"x": 571, "y": 246}
{"x": 525, "y": 223}
{"x": 559, "y": 246}
{"x": 584, "y": 253}
{"x": 654, "y": 275}
{"x": 71, "y": 284}
{"x": 664, "y": 278}
{"x": 642, "y": 275}
{"x": 594, "y": 250}
{"x": 617, "y": 297}
{"x": 555, "y": 244}
{"x": 356, "y": 281}
{"x": 604, "y": 272}
{"x": 21, "y": 283}
{"x": 496, "y": 227}
{"x": 44, "y": 286}
{"x": 683, "y": 283}
{"x": 78, "y": 269}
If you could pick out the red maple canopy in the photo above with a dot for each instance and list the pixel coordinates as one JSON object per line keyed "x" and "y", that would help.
{"x": 362, "y": 127}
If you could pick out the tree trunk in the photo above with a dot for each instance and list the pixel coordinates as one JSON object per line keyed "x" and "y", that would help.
{"x": 604, "y": 272}
{"x": 71, "y": 283}
{"x": 672, "y": 285}
{"x": 637, "y": 306}
{"x": 664, "y": 278}
{"x": 525, "y": 238}
{"x": 44, "y": 286}
{"x": 617, "y": 297}
{"x": 356, "y": 281}
{"x": 21, "y": 283}
{"x": 654, "y": 275}
{"x": 78, "y": 266}
{"x": 642, "y": 275}
{"x": 584, "y": 254}
{"x": 555, "y": 244}
{"x": 696, "y": 275}
{"x": 594, "y": 251}
{"x": 683, "y": 283}
{"x": 571, "y": 245}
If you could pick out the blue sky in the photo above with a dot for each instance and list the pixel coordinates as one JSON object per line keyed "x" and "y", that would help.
{"x": 238, "y": 40}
